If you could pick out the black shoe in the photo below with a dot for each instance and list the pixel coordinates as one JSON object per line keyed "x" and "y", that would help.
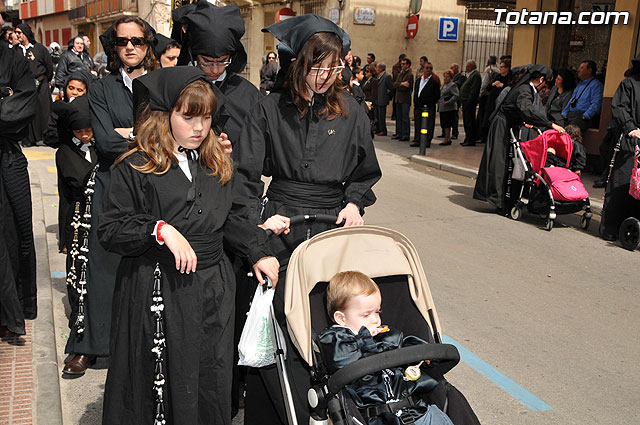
{"x": 447, "y": 143}
{"x": 395, "y": 137}
{"x": 404, "y": 139}
{"x": 415, "y": 145}
{"x": 454, "y": 137}
{"x": 468, "y": 144}
{"x": 609, "y": 237}
{"x": 599, "y": 184}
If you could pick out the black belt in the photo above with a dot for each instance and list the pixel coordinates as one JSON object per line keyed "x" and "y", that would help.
{"x": 306, "y": 195}
{"x": 207, "y": 246}
{"x": 393, "y": 407}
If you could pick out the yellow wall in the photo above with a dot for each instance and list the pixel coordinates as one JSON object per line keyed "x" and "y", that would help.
{"x": 623, "y": 46}
{"x": 525, "y": 37}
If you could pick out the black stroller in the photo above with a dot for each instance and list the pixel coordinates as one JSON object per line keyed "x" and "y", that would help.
{"x": 392, "y": 261}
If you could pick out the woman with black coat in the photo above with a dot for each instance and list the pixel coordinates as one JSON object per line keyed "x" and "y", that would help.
{"x": 521, "y": 105}
{"x": 314, "y": 140}
{"x": 560, "y": 95}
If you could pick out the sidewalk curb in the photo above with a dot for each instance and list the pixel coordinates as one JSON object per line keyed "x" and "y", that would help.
{"x": 596, "y": 206}
{"x": 48, "y": 404}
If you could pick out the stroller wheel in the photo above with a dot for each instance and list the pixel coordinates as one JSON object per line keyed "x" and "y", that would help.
{"x": 516, "y": 212}
{"x": 585, "y": 221}
{"x": 548, "y": 225}
{"x": 630, "y": 234}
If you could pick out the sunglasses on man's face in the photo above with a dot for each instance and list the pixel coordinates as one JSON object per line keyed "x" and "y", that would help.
{"x": 135, "y": 41}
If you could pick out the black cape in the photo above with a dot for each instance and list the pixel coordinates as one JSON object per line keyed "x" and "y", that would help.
{"x": 17, "y": 272}
{"x": 111, "y": 107}
{"x": 618, "y": 204}
{"x": 198, "y": 308}
{"x": 42, "y": 68}
{"x": 522, "y": 104}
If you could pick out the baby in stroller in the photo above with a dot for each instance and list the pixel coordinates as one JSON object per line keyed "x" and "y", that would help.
{"x": 391, "y": 395}
{"x": 578, "y": 156}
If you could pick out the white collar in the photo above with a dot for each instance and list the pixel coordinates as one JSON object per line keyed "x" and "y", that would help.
{"x": 222, "y": 76}
{"x": 535, "y": 90}
{"x": 356, "y": 82}
{"x": 128, "y": 82}
{"x": 24, "y": 48}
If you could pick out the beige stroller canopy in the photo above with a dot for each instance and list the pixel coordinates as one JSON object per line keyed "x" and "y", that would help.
{"x": 375, "y": 251}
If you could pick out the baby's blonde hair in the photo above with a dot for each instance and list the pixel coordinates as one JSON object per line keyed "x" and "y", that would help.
{"x": 346, "y": 285}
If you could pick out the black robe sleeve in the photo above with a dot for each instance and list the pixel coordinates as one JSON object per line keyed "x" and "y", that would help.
{"x": 241, "y": 234}
{"x": 126, "y": 224}
{"x": 357, "y": 188}
{"x": 73, "y": 169}
{"x": 109, "y": 142}
{"x": 529, "y": 112}
{"x": 625, "y": 107}
{"x": 17, "y": 110}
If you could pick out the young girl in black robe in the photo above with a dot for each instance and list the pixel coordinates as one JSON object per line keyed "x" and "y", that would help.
{"x": 172, "y": 203}
{"x": 75, "y": 159}
{"x": 314, "y": 140}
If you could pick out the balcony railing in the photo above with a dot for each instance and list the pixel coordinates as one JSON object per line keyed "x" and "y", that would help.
{"x": 77, "y": 13}
{"x": 102, "y": 7}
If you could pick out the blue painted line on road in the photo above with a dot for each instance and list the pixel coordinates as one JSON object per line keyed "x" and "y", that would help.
{"x": 507, "y": 385}
{"x": 58, "y": 274}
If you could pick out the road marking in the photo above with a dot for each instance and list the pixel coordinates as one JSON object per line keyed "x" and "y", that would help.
{"x": 52, "y": 170}
{"x": 36, "y": 155}
{"x": 58, "y": 274}
{"x": 515, "y": 390}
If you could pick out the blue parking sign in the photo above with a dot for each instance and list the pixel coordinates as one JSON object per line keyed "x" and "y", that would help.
{"x": 448, "y": 29}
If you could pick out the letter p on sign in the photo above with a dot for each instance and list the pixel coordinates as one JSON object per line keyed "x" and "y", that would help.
{"x": 448, "y": 29}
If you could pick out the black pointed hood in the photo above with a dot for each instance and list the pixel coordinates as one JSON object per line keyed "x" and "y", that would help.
{"x": 211, "y": 31}
{"x": 75, "y": 115}
{"x": 294, "y": 32}
{"x": 159, "y": 44}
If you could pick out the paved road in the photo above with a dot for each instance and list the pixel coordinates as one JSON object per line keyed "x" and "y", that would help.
{"x": 550, "y": 317}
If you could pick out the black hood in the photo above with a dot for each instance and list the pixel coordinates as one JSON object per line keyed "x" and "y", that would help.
{"x": 83, "y": 76}
{"x": 108, "y": 38}
{"x": 211, "y": 31}
{"x": 159, "y": 44}
{"x": 161, "y": 88}
{"x": 75, "y": 115}
{"x": 294, "y": 32}
{"x": 26, "y": 29}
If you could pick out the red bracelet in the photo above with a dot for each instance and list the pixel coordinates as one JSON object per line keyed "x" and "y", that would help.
{"x": 158, "y": 234}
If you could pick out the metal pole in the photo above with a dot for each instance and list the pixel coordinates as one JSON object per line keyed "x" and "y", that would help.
{"x": 423, "y": 132}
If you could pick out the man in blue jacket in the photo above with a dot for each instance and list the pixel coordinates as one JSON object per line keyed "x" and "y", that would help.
{"x": 585, "y": 103}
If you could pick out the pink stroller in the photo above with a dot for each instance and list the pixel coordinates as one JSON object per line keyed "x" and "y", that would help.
{"x": 547, "y": 191}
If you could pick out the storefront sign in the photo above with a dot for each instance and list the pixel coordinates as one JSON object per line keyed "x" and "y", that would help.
{"x": 334, "y": 15}
{"x": 448, "y": 29}
{"x": 364, "y": 16}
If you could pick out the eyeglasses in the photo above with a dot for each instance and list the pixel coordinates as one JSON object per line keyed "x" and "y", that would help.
{"x": 334, "y": 70}
{"x": 214, "y": 64}
{"x": 135, "y": 41}
{"x": 18, "y": 32}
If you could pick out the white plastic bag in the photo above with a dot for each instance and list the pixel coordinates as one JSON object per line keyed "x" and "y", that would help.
{"x": 256, "y": 347}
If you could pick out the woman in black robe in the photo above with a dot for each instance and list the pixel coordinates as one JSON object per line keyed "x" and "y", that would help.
{"x": 172, "y": 202}
{"x": 625, "y": 108}
{"x": 41, "y": 65}
{"x": 18, "y": 103}
{"x": 521, "y": 105}
{"x": 111, "y": 105}
{"x": 211, "y": 35}
{"x": 314, "y": 140}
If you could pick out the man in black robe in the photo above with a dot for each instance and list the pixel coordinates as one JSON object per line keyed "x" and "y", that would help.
{"x": 17, "y": 252}
{"x": 625, "y": 108}
{"x": 42, "y": 70}
{"x": 210, "y": 38}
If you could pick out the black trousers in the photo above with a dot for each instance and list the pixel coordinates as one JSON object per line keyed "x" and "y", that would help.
{"x": 381, "y": 117}
{"x": 431, "y": 123}
{"x": 455, "y": 132}
{"x": 469, "y": 121}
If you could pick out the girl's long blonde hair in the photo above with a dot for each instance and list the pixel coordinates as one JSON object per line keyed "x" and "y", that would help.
{"x": 155, "y": 140}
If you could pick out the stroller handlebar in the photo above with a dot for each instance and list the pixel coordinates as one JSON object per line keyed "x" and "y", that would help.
{"x": 310, "y": 218}
{"x": 446, "y": 357}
